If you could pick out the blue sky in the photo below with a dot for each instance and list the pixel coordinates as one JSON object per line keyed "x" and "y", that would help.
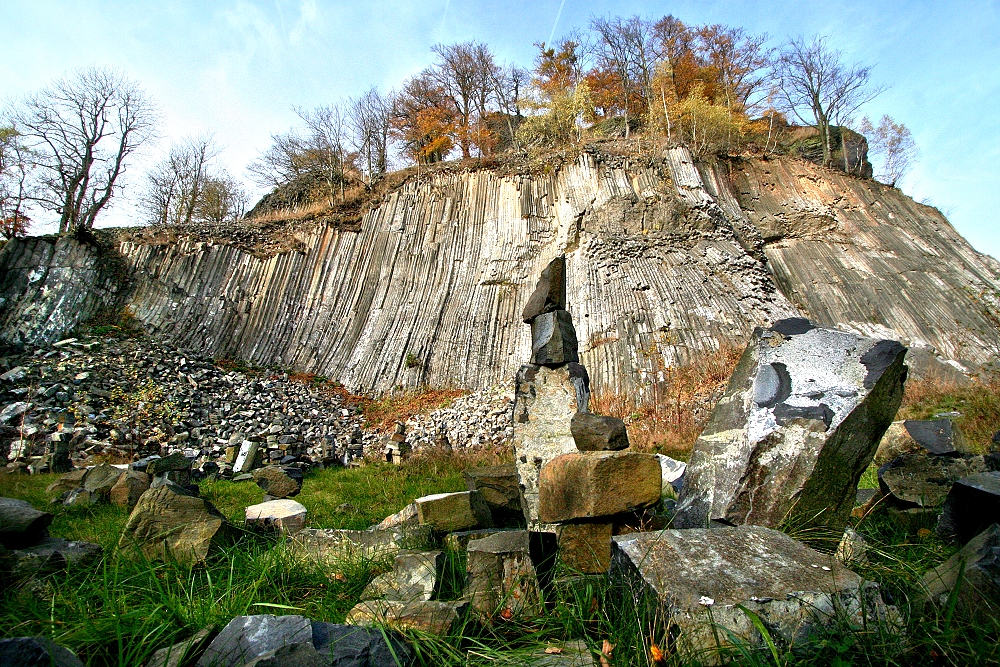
{"x": 235, "y": 68}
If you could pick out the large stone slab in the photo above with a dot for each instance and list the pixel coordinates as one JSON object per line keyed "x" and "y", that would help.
{"x": 975, "y": 570}
{"x": 585, "y": 547}
{"x": 972, "y": 505}
{"x": 550, "y": 291}
{"x": 445, "y": 512}
{"x": 582, "y": 485}
{"x": 695, "y": 579}
{"x": 932, "y": 436}
{"x": 544, "y": 404}
{"x": 430, "y": 616}
{"x": 798, "y": 424}
{"x": 167, "y": 524}
{"x": 21, "y": 525}
{"x": 921, "y": 480}
{"x": 285, "y": 515}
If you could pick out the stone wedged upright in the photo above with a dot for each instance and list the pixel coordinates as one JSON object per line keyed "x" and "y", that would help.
{"x": 798, "y": 424}
{"x": 553, "y": 339}
{"x": 550, "y": 292}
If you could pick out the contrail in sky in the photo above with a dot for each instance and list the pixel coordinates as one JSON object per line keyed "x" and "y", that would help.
{"x": 558, "y": 14}
{"x": 445, "y": 14}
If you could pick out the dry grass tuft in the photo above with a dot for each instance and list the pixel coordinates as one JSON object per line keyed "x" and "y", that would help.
{"x": 978, "y": 402}
{"x": 382, "y": 413}
{"x": 682, "y": 403}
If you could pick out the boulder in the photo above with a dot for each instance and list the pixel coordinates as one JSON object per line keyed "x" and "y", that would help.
{"x": 501, "y": 577}
{"x": 21, "y": 525}
{"x": 972, "y": 505}
{"x": 246, "y": 638}
{"x": 303, "y": 654}
{"x": 458, "y": 541}
{"x": 544, "y": 404}
{"x": 430, "y": 616}
{"x": 286, "y": 516}
{"x": 550, "y": 291}
{"x": 699, "y": 579}
{"x": 585, "y": 548}
{"x": 129, "y": 488}
{"x": 35, "y": 652}
{"x": 158, "y": 466}
{"x": 333, "y": 545}
{"x": 415, "y": 576}
{"x": 553, "y": 339}
{"x": 182, "y": 653}
{"x": 53, "y": 554}
{"x": 445, "y": 512}
{"x": 920, "y": 480}
{"x": 934, "y": 436}
{"x": 407, "y": 516}
{"x": 499, "y": 487}
{"x": 101, "y": 479}
{"x": 597, "y": 433}
{"x": 81, "y": 497}
{"x": 354, "y": 646}
{"x": 583, "y": 485}
{"x": 976, "y": 570}
{"x": 68, "y": 482}
{"x": 799, "y": 423}
{"x": 166, "y": 523}
{"x": 279, "y": 482}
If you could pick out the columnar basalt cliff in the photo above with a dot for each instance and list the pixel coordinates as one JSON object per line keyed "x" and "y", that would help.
{"x": 665, "y": 259}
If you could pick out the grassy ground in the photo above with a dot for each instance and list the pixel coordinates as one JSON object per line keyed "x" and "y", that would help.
{"x": 120, "y": 611}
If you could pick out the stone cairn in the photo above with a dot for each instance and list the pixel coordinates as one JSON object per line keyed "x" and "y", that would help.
{"x": 397, "y": 449}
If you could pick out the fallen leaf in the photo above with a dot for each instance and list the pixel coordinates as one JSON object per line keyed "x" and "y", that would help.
{"x": 606, "y": 650}
{"x": 553, "y": 649}
{"x": 924, "y": 532}
{"x": 656, "y": 654}
{"x": 506, "y": 614}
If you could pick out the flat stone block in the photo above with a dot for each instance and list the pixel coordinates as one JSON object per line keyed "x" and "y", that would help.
{"x": 585, "y": 547}
{"x": 447, "y": 512}
{"x": 593, "y": 484}
{"x": 430, "y": 616}
{"x": 972, "y": 505}
{"x": 285, "y": 515}
{"x": 597, "y": 433}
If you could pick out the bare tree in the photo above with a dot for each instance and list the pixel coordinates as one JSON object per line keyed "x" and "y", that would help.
{"x": 894, "y": 143}
{"x": 465, "y": 72}
{"x": 83, "y": 130}
{"x": 174, "y": 186}
{"x": 16, "y": 162}
{"x": 222, "y": 199}
{"x": 741, "y": 61}
{"x": 819, "y": 89}
{"x": 368, "y": 117}
{"x": 627, "y": 48}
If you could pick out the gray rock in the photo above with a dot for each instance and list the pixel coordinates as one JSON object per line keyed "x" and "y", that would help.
{"x": 12, "y": 411}
{"x": 291, "y": 655}
{"x": 415, "y": 576}
{"x": 975, "y": 569}
{"x": 182, "y": 653}
{"x": 972, "y": 505}
{"x": 81, "y": 497}
{"x": 671, "y": 476}
{"x": 921, "y": 480}
{"x": 553, "y": 339}
{"x": 458, "y": 541}
{"x": 545, "y": 401}
{"x": 128, "y": 489}
{"x": 176, "y": 461}
{"x": 937, "y": 436}
{"x": 461, "y": 510}
{"x": 53, "y": 554}
{"x": 429, "y": 616}
{"x": 285, "y": 515}
{"x": 21, "y": 525}
{"x": 501, "y": 577}
{"x": 597, "y": 433}
{"x": 101, "y": 479}
{"x": 407, "y": 516}
{"x": 279, "y": 482}
{"x": 246, "y": 638}
{"x": 499, "y": 487}
{"x": 698, "y": 577}
{"x": 550, "y": 291}
{"x": 35, "y": 652}
{"x": 799, "y": 423}
{"x": 353, "y": 646}
{"x": 168, "y": 524}
{"x": 332, "y": 545}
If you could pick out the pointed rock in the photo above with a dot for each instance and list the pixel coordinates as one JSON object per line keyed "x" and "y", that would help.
{"x": 550, "y": 291}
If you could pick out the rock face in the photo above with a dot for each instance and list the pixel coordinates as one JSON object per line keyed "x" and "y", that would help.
{"x": 663, "y": 255}
{"x": 582, "y": 485}
{"x": 919, "y": 480}
{"x": 545, "y": 402}
{"x": 972, "y": 504}
{"x": 975, "y": 569}
{"x": 430, "y": 616}
{"x": 499, "y": 487}
{"x": 798, "y": 424}
{"x": 690, "y": 573}
{"x": 166, "y": 522}
{"x": 550, "y": 291}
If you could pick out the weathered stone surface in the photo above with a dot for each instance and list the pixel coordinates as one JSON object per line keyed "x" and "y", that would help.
{"x": 68, "y": 482}
{"x": 248, "y": 637}
{"x": 972, "y": 505}
{"x": 82, "y": 496}
{"x": 671, "y": 476}
{"x": 501, "y": 577}
{"x": 21, "y": 525}
{"x": 54, "y": 554}
{"x": 597, "y": 433}
{"x": 159, "y": 465}
{"x": 285, "y": 515}
{"x": 415, "y": 576}
{"x": 164, "y": 522}
{"x": 331, "y": 545}
{"x": 936, "y": 436}
{"x": 583, "y": 485}
{"x": 248, "y": 458}
{"x": 921, "y": 480}
{"x": 459, "y": 540}
{"x": 852, "y": 548}
{"x": 35, "y": 652}
{"x": 430, "y": 616}
{"x": 182, "y": 653}
{"x": 585, "y": 547}
{"x": 279, "y": 482}
{"x": 129, "y": 488}
{"x": 544, "y": 404}
{"x": 798, "y": 424}
{"x": 354, "y": 646}
{"x": 445, "y": 512}
{"x": 407, "y": 516}
{"x": 101, "y": 479}
{"x": 553, "y": 339}
{"x": 977, "y": 566}
{"x": 499, "y": 488}
{"x": 690, "y": 573}
{"x": 562, "y": 654}
{"x": 550, "y": 291}
{"x": 291, "y": 655}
